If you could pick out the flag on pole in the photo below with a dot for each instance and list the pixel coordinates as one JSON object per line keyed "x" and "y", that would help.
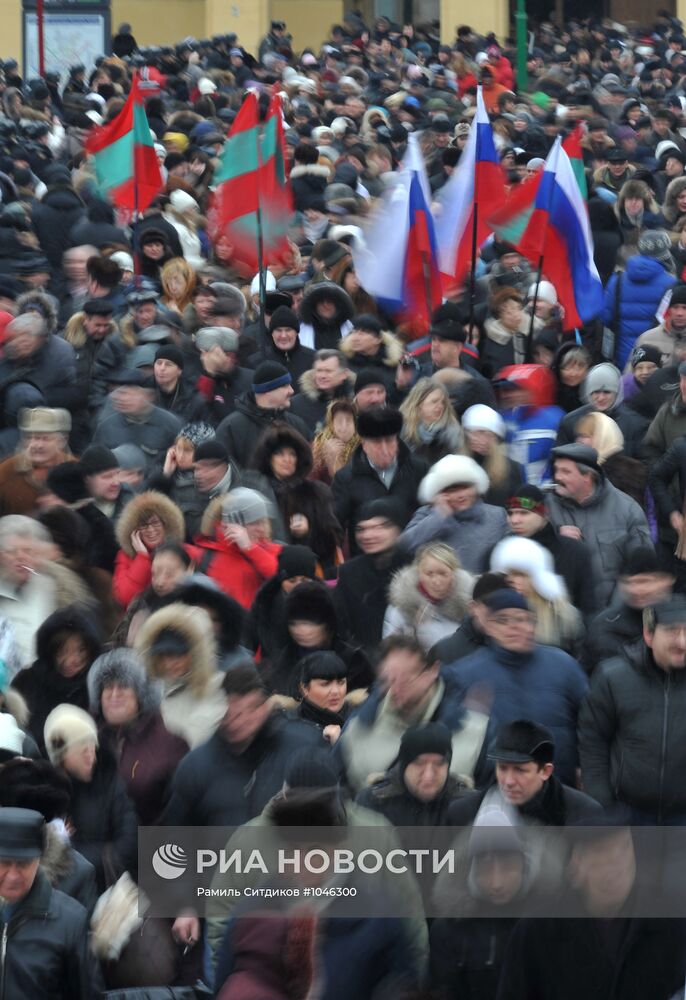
{"x": 477, "y": 185}
{"x": 398, "y": 262}
{"x": 126, "y": 164}
{"x": 252, "y": 194}
{"x": 572, "y": 147}
{"x": 546, "y": 218}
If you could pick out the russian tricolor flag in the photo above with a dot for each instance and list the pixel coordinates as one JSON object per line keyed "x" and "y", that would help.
{"x": 399, "y": 264}
{"x": 477, "y": 185}
{"x": 547, "y": 220}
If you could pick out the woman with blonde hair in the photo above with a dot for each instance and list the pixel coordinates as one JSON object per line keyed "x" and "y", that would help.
{"x": 430, "y": 427}
{"x": 335, "y": 443}
{"x": 484, "y": 441}
{"x": 178, "y": 284}
{"x": 603, "y": 433}
{"x": 530, "y": 571}
{"x": 429, "y": 598}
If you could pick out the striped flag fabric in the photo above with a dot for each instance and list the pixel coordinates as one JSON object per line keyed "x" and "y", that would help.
{"x": 572, "y": 147}
{"x": 251, "y": 188}
{"x": 476, "y": 185}
{"x": 126, "y": 165}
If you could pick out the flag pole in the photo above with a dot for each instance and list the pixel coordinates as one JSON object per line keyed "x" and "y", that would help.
{"x": 475, "y": 223}
{"x": 260, "y": 240}
{"x": 539, "y": 273}
{"x": 135, "y": 245}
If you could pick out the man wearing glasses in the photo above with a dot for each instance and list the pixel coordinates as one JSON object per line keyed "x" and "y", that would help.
{"x": 527, "y": 680}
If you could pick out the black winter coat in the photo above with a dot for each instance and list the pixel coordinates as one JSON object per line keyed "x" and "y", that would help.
{"x": 267, "y": 628}
{"x": 240, "y": 432}
{"x": 106, "y": 827}
{"x": 41, "y": 686}
{"x": 568, "y": 958}
{"x": 466, "y": 956}
{"x": 213, "y": 786}
{"x": 390, "y": 797}
{"x": 221, "y": 392}
{"x": 48, "y": 955}
{"x": 185, "y": 402}
{"x": 632, "y": 735}
{"x": 53, "y": 219}
{"x": 361, "y": 595}
{"x": 464, "y": 641}
{"x": 573, "y": 563}
{"x": 611, "y": 630}
{"x": 671, "y": 466}
{"x": 284, "y": 675}
{"x": 357, "y": 483}
{"x": 298, "y": 361}
{"x": 555, "y": 805}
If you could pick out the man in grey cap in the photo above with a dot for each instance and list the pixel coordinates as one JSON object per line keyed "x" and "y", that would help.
{"x": 586, "y": 506}
{"x": 134, "y": 419}
{"x": 44, "y": 434}
{"x": 45, "y": 934}
{"x": 632, "y": 726}
{"x": 222, "y": 380}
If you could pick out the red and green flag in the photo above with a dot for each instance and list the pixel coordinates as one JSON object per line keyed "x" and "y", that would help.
{"x": 573, "y": 149}
{"x": 126, "y": 164}
{"x": 252, "y": 196}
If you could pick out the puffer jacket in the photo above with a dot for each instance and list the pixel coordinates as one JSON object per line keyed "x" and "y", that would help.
{"x": 192, "y": 706}
{"x": 642, "y": 287}
{"x": 412, "y": 613}
{"x": 632, "y": 735}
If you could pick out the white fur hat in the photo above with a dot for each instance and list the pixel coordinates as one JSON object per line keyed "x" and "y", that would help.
{"x": 527, "y": 556}
{"x": 269, "y": 283}
{"x": 67, "y": 727}
{"x": 546, "y": 292}
{"x": 183, "y": 202}
{"x": 448, "y": 471}
{"x": 484, "y": 418}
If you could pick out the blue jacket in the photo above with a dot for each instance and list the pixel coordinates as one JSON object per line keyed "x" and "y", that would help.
{"x": 644, "y": 283}
{"x": 531, "y": 435}
{"x": 546, "y": 686}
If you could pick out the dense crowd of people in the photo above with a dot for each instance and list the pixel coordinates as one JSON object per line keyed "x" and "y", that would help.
{"x": 269, "y": 552}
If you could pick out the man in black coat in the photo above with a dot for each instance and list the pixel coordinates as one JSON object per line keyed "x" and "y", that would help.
{"x": 381, "y": 467}
{"x": 266, "y": 403}
{"x": 283, "y": 344}
{"x": 222, "y": 381}
{"x": 229, "y": 779}
{"x": 632, "y": 729}
{"x": 523, "y": 756}
{"x": 361, "y": 594}
{"x": 641, "y": 584}
{"x": 418, "y": 789}
{"x": 45, "y": 934}
{"x": 527, "y": 517}
{"x": 601, "y": 949}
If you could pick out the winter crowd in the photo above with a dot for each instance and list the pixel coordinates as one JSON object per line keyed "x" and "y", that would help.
{"x": 261, "y": 565}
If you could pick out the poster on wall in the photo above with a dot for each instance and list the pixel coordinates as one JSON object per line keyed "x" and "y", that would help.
{"x": 69, "y": 38}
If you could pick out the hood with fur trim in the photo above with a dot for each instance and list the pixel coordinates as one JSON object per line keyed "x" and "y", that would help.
{"x": 311, "y": 170}
{"x": 57, "y": 859}
{"x": 13, "y": 703}
{"x": 142, "y": 506}
{"x": 195, "y": 626}
{"x": 125, "y": 668}
{"x": 309, "y": 389}
{"x": 40, "y": 302}
{"x": 70, "y": 619}
{"x": 391, "y": 348}
{"x": 405, "y": 595}
{"x": 212, "y": 515}
{"x": 75, "y": 333}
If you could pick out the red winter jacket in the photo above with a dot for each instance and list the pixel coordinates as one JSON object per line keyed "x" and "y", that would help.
{"x": 239, "y": 572}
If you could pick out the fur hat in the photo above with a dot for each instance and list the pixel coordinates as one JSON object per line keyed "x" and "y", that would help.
{"x": 45, "y": 420}
{"x": 312, "y": 602}
{"x": 448, "y": 471}
{"x": 379, "y": 422}
{"x": 68, "y": 482}
{"x": 526, "y": 556}
{"x": 35, "y": 784}
{"x": 66, "y": 728}
{"x": 480, "y": 417}
{"x": 11, "y": 739}
{"x": 126, "y": 669}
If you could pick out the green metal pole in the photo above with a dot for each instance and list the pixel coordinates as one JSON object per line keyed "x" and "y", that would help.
{"x": 522, "y": 46}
